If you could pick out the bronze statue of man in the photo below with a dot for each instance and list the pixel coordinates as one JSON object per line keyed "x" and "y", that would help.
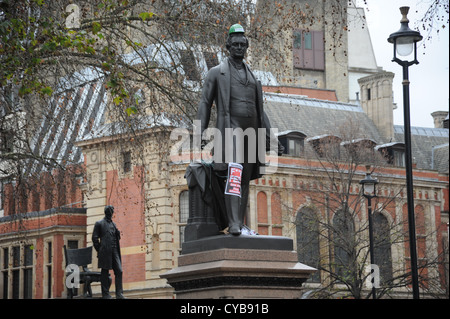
{"x": 237, "y": 95}
{"x": 105, "y": 238}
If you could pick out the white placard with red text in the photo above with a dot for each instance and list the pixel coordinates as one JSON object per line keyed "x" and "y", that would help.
{"x": 233, "y": 186}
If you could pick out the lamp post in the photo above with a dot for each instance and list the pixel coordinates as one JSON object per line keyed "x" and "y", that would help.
{"x": 405, "y": 42}
{"x": 369, "y": 192}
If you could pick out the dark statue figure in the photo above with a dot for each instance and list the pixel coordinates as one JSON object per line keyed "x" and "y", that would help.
{"x": 105, "y": 238}
{"x": 238, "y": 99}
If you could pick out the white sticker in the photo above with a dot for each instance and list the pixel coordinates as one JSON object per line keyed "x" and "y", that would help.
{"x": 233, "y": 186}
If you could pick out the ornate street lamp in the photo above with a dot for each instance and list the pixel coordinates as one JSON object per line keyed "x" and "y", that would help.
{"x": 405, "y": 42}
{"x": 369, "y": 192}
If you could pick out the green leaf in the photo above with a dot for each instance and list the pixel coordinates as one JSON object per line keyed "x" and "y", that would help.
{"x": 47, "y": 90}
{"x": 24, "y": 90}
{"x": 90, "y": 50}
{"x": 145, "y": 15}
{"x": 112, "y": 83}
{"x": 117, "y": 100}
{"x": 131, "y": 110}
{"x": 106, "y": 66}
{"x": 36, "y": 61}
{"x": 96, "y": 27}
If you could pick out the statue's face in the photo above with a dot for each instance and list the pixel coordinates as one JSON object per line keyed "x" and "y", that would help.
{"x": 109, "y": 213}
{"x": 238, "y": 47}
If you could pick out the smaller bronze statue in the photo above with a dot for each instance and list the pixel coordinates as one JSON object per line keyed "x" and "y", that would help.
{"x": 105, "y": 238}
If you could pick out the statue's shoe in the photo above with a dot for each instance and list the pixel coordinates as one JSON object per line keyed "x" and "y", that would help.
{"x": 234, "y": 230}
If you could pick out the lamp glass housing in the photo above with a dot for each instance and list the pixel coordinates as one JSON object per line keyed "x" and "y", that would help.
{"x": 404, "y": 46}
{"x": 369, "y": 188}
{"x": 405, "y": 39}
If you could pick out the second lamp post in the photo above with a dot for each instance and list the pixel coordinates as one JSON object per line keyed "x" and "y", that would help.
{"x": 369, "y": 192}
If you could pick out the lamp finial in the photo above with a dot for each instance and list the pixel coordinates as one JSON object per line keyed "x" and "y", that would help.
{"x": 404, "y": 11}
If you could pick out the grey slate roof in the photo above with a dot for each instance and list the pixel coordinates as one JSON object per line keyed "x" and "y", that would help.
{"x": 85, "y": 106}
{"x": 427, "y": 146}
{"x": 440, "y": 158}
{"x": 317, "y": 117}
{"x": 70, "y": 115}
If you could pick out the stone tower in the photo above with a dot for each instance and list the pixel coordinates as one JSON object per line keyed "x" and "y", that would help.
{"x": 377, "y": 102}
{"x": 308, "y": 54}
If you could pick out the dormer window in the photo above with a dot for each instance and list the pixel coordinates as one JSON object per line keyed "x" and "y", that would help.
{"x": 293, "y": 142}
{"x": 326, "y": 145}
{"x": 394, "y": 153}
{"x": 361, "y": 149}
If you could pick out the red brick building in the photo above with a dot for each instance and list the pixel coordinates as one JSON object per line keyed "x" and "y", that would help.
{"x": 150, "y": 194}
{"x": 147, "y": 187}
{"x": 32, "y": 240}
{"x": 137, "y": 174}
{"x": 42, "y": 208}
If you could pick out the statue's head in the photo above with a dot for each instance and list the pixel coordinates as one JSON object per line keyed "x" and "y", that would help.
{"x": 109, "y": 211}
{"x": 237, "y": 42}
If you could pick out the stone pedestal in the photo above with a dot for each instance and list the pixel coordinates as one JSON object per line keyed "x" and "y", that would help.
{"x": 227, "y": 266}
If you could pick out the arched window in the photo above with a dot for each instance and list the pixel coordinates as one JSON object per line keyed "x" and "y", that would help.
{"x": 343, "y": 242}
{"x": 382, "y": 246}
{"x": 419, "y": 212}
{"x": 261, "y": 207}
{"x": 184, "y": 213}
{"x": 307, "y": 229}
{"x": 277, "y": 220}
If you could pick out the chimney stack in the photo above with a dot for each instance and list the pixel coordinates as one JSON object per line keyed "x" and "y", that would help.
{"x": 439, "y": 117}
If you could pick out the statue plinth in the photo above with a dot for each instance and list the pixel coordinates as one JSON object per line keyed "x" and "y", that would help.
{"x": 215, "y": 265}
{"x": 227, "y": 266}
{"x": 254, "y": 242}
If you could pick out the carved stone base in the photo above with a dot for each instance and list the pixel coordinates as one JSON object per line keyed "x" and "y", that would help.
{"x": 239, "y": 272}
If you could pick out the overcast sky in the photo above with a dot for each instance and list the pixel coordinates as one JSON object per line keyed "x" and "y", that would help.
{"x": 429, "y": 80}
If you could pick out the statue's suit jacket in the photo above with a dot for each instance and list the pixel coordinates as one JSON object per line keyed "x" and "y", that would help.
{"x": 217, "y": 89}
{"x": 102, "y": 241}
